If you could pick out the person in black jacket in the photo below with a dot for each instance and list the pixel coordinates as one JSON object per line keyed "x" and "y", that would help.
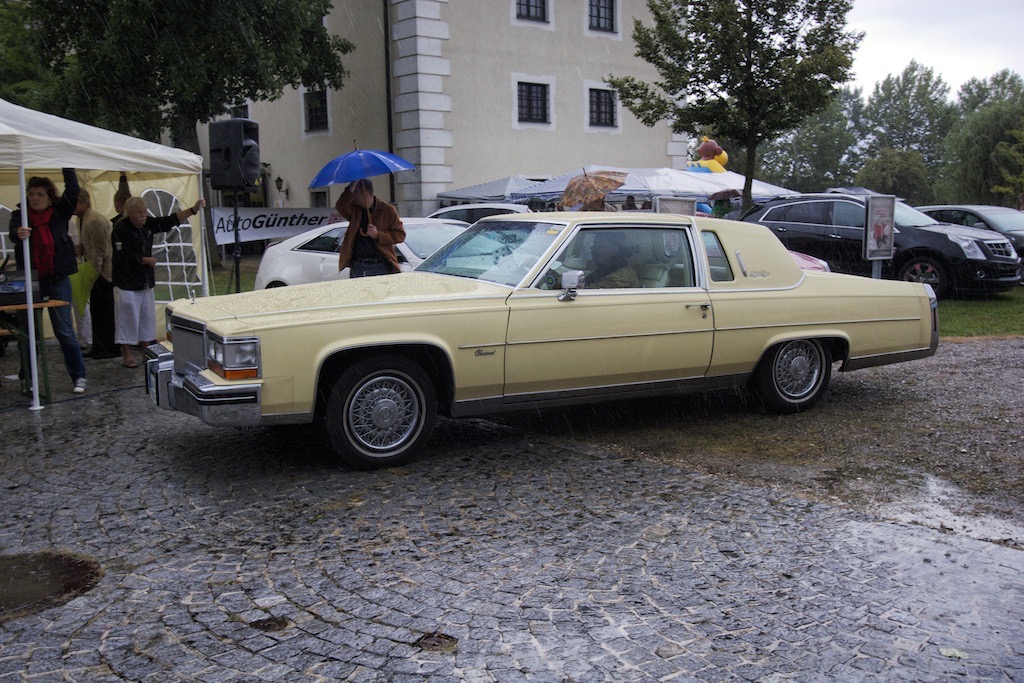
{"x": 134, "y": 277}
{"x": 45, "y": 225}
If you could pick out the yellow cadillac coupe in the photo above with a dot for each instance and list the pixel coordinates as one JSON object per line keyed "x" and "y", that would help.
{"x": 534, "y": 310}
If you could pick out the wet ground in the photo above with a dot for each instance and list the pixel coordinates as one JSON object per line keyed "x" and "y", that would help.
{"x": 607, "y": 548}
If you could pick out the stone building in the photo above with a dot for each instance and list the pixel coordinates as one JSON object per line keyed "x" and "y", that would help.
{"x": 469, "y": 91}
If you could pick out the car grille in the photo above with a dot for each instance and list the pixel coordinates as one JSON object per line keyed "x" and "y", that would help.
{"x": 1001, "y": 249}
{"x": 1007, "y": 270}
{"x": 189, "y": 345}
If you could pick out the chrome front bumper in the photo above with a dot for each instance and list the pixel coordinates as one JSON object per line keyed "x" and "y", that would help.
{"x": 237, "y": 405}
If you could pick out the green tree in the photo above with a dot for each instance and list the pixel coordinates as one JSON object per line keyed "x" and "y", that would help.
{"x": 821, "y": 152}
{"x": 1009, "y": 157}
{"x": 903, "y": 173}
{"x": 142, "y": 66}
{"x": 1005, "y": 85}
{"x": 24, "y": 76}
{"x": 910, "y": 112}
{"x": 979, "y": 157}
{"x": 748, "y": 69}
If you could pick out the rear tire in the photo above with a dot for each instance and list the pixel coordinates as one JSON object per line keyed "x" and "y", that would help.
{"x": 380, "y": 413}
{"x": 793, "y": 375}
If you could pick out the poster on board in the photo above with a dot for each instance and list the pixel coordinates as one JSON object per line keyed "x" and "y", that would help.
{"x": 879, "y": 223}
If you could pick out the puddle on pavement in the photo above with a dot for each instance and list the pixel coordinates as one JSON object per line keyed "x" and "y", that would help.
{"x": 932, "y": 507}
{"x": 35, "y": 581}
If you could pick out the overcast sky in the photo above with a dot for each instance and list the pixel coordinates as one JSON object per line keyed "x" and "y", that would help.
{"x": 958, "y": 40}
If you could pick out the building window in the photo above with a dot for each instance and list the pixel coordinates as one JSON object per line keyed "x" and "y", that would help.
{"x": 602, "y": 15}
{"x": 318, "y": 200}
{"x": 534, "y": 10}
{"x": 240, "y": 111}
{"x": 315, "y": 102}
{"x": 602, "y": 107}
{"x": 533, "y": 103}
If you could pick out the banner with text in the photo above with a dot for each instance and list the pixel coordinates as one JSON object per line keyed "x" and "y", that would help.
{"x": 265, "y": 223}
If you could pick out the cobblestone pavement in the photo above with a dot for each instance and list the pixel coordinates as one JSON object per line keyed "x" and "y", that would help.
{"x": 242, "y": 555}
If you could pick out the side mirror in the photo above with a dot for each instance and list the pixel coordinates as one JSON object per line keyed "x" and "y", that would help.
{"x": 571, "y": 281}
{"x": 574, "y": 279}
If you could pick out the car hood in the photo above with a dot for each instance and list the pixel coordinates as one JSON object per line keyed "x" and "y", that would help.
{"x": 952, "y": 229}
{"x": 359, "y": 298}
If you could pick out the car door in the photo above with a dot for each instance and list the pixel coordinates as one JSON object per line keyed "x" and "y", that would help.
{"x": 846, "y": 237}
{"x": 611, "y": 341}
{"x": 317, "y": 259}
{"x": 802, "y": 225}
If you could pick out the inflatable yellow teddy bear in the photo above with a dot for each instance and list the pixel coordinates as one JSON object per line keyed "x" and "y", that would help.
{"x": 712, "y": 157}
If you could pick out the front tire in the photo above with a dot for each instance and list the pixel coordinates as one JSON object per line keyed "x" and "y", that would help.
{"x": 380, "y": 412}
{"x": 793, "y": 375}
{"x": 927, "y": 270}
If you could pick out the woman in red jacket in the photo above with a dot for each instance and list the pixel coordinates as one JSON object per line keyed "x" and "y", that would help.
{"x": 53, "y": 258}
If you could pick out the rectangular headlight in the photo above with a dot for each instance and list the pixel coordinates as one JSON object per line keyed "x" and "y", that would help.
{"x": 233, "y": 357}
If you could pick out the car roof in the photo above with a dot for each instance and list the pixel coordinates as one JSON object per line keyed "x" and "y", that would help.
{"x": 971, "y": 207}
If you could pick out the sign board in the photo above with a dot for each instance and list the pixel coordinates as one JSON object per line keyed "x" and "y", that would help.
{"x": 686, "y": 207}
{"x": 265, "y": 223}
{"x": 878, "y": 227}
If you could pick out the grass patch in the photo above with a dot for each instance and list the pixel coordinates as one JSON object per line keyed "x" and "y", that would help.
{"x": 999, "y": 315}
{"x": 224, "y": 278}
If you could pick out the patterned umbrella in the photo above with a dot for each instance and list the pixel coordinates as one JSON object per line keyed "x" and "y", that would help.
{"x": 590, "y": 187}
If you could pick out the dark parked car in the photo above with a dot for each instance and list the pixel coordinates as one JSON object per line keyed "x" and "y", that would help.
{"x": 950, "y": 258}
{"x": 1010, "y": 222}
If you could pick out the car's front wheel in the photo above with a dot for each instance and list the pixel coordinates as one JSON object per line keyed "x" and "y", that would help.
{"x": 793, "y": 375}
{"x": 380, "y": 412}
{"x": 927, "y": 270}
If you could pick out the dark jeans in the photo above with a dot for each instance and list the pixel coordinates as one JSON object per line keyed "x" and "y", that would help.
{"x": 101, "y": 309}
{"x": 63, "y": 326}
{"x": 368, "y": 268}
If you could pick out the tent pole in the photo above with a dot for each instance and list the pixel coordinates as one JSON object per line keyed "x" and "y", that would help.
{"x": 29, "y": 312}
{"x": 206, "y": 272}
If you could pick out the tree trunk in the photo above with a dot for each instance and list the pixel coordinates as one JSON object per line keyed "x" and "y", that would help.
{"x": 748, "y": 171}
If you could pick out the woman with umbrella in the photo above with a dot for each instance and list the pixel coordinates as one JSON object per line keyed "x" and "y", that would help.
{"x": 374, "y": 228}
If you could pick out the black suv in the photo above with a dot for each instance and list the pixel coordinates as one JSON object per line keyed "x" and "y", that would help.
{"x": 951, "y": 258}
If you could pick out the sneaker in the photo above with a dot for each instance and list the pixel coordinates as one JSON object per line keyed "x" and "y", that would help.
{"x": 80, "y": 385}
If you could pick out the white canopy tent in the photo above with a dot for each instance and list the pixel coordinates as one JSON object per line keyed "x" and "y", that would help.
{"x": 654, "y": 182}
{"x": 494, "y": 191}
{"x": 34, "y": 143}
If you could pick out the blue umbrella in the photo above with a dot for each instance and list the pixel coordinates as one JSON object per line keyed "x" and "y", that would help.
{"x": 357, "y": 164}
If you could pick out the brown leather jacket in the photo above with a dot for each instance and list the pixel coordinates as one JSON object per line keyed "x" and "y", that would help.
{"x": 390, "y": 230}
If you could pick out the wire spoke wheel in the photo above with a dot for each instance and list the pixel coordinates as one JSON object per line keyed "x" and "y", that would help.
{"x": 380, "y": 412}
{"x": 383, "y": 413}
{"x": 793, "y": 375}
{"x": 797, "y": 369}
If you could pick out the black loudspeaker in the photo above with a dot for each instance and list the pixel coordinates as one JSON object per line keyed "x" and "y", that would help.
{"x": 234, "y": 154}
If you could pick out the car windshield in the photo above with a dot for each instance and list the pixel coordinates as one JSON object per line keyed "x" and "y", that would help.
{"x": 1005, "y": 220}
{"x": 426, "y": 239}
{"x": 502, "y": 252}
{"x": 909, "y": 217}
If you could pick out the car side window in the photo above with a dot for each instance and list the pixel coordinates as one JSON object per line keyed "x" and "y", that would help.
{"x": 848, "y": 214}
{"x": 644, "y": 257}
{"x": 721, "y": 271}
{"x": 328, "y": 241}
{"x": 812, "y": 213}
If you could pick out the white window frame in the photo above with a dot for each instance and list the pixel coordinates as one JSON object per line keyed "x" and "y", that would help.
{"x": 549, "y": 81}
{"x": 302, "y": 114}
{"x": 548, "y": 25}
{"x": 600, "y": 85}
{"x": 614, "y": 35}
